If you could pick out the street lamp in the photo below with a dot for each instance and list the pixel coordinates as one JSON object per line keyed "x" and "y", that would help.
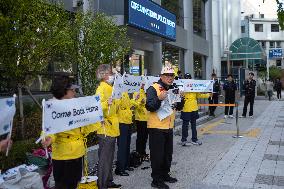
{"x": 228, "y": 52}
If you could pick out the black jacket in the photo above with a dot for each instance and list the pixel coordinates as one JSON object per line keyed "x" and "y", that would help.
{"x": 249, "y": 87}
{"x": 278, "y": 86}
{"x": 152, "y": 101}
{"x": 230, "y": 89}
{"x": 216, "y": 88}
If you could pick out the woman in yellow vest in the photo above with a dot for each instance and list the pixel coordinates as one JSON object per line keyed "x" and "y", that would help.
{"x": 109, "y": 131}
{"x": 125, "y": 115}
{"x": 160, "y": 128}
{"x": 190, "y": 114}
{"x": 68, "y": 147}
{"x": 141, "y": 116}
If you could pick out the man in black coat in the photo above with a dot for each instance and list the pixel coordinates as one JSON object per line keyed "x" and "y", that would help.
{"x": 216, "y": 93}
{"x": 230, "y": 88}
{"x": 249, "y": 88}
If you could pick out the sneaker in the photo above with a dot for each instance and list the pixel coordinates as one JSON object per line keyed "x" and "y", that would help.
{"x": 160, "y": 185}
{"x": 112, "y": 185}
{"x": 242, "y": 116}
{"x": 251, "y": 117}
{"x": 225, "y": 117}
{"x": 170, "y": 179}
{"x": 129, "y": 169}
{"x": 185, "y": 143}
{"x": 196, "y": 142}
{"x": 121, "y": 173}
{"x": 231, "y": 116}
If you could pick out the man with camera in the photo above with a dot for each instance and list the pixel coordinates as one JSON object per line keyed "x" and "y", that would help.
{"x": 160, "y": 127}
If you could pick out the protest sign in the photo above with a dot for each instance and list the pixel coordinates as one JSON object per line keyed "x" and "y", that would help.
{"x": 7, "y": 111}
{"x": 165, "y": 109}
{"x": 131, "y": 83}
{"x": 63, "y": 115}
{"x": 117, "y": 87}
{"x": 191, "y": 85}
{"x": 149, "y": 80}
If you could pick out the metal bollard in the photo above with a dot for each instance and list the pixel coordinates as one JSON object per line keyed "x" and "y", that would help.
{"x": 237, "y": 122}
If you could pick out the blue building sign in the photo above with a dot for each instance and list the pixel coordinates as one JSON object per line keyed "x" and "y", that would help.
{"x": 275, "y": 53}
{"x": 149, "y": 16}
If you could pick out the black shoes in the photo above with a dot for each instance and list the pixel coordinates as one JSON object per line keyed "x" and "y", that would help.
{"x": 170, "y": 179}
{"x": 160, "y": 185}
{"x": 129, "y": 169}
{"x": 121, "y": 173}
{"x": 113, "y": 186}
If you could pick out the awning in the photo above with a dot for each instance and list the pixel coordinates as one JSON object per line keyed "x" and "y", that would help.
{"x": 247, "y": 49}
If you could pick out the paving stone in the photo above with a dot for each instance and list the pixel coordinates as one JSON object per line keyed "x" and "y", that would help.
{"x": 264, "y": 179}
{"x": 267, "y": 167}
{"x": 272, "y": 149}
{"x": 279, "y": 170}
{"x": 278, "y": 181}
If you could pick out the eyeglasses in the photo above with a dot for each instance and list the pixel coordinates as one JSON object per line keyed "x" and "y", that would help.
{"x": 169, "y": 75}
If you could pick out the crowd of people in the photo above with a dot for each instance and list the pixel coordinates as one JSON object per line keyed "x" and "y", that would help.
{"x": 142, "y": 109}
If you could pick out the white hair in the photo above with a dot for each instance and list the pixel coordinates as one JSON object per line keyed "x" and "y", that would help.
{"x": 101, "y": 71}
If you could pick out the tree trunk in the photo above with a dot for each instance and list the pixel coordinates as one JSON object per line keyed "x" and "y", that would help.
{"x": 21, "y": 109}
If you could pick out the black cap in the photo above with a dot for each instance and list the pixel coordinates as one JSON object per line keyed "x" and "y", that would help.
{"x": 187, "y": 76}
{"x": 251, "y": 73}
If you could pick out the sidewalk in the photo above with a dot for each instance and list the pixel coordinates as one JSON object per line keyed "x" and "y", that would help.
{"x": 255, "y": 161}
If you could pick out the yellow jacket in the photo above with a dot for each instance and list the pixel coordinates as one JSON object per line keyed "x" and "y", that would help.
{"x": 141, "y": 113}
{"x": 190, "y": 104}
{"x": 153, "y": 119}
{"x": 111, "y": 125}
{"x": 70, "y": 144}
{"x": 125, "y": 113}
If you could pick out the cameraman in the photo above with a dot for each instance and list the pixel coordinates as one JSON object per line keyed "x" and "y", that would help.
{"x": 190, "y": 114}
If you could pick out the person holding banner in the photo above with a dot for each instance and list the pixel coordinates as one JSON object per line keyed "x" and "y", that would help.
{"x": 141, "y": 116}
{"x": 4, "y": 144}
{"x": 125, "y": 115}
{"x": 190, "y": 114}
{"x": 230, "y": 88}
{"x": 109, "y": 131}
{"x": 68, "y": 147}
{"x": 160, "y": 127}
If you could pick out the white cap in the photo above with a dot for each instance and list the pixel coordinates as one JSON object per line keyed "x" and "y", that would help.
{"x": 168, "y": 69}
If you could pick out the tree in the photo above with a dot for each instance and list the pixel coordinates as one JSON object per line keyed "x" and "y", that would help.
{"x": 280, "y": 13}
{"x": 275, "y": 72}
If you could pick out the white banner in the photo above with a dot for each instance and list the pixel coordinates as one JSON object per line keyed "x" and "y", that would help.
{"x": 165, "y": 110}
{"x": 7, "y": 112}
{"x": 117, "y": 87}
{"x": 63, "y": 115}
{"x": 191, "y": 85}
{"x": 131, "y": 83}
{"x": 149, "y": 80}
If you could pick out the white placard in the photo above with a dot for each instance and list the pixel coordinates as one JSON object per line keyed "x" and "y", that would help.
{"x": 165, "y": 110}
{"x": 64, "y": 115}
{"x": 7, "y": 112}
{"x": 149, "y": 80}
{"x": 131, "y": 83}
{"x": 117, "y": 87}
{"x": 191, "y": 85}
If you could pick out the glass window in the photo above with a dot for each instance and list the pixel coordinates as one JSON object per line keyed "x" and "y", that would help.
{"x": 258, "y": 27}
{"x": 278, "y": 62}
{"x": 271, "y": 44}
{"x": 174, "y": 6}
{"x": 274, "y": 27}
{"x": 243, "y": 29}
{"x": 199, "y": 17}
{"x": 278, "y": 44}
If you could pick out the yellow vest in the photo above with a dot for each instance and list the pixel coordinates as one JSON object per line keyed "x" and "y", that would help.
{"x": 153, "y": 119}
{"x": 190, "y": 104}
{"x": 111, "y": 125}
{"x": 125, "y": 113}
{"x": 141, "y": 113}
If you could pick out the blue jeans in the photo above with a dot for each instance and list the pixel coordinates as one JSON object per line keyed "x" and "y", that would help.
{"x": 186, "y": 118}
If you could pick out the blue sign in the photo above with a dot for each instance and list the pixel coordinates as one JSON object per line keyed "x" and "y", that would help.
{"x": 149, "y": 16}
{"x": 275, "y": 53}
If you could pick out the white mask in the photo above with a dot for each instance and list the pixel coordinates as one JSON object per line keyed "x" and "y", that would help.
{"x": 110, "y": 79}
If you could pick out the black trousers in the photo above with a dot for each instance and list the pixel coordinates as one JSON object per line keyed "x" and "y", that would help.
{"x": 67, "y": 173}
{"x": 229, "y": 100}
{"x": 161, "y": 151}
{"x": 142, "y": 137}
{"x": 213, "y": 100}
{"x": 186, "y": 118}
{"x": 248, "y": 100}
{"x": 123, "y": 143}
{"x": 279, "y": 94}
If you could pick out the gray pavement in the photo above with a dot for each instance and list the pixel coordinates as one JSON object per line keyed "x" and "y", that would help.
{"x": 222, "y": 162}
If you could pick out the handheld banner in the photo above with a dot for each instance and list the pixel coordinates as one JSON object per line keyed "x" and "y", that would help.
{"x": 149, "y": 80}
{"x": 117, "y": 87}
{"x": 63, "y": 115}
{"x": 191, "y": 85}
{"x": 165, "y": 110}
{"x": 7, "y": 111}
{"x": 132, "y": 83}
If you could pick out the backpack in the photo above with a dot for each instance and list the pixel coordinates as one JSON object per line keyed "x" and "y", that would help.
{"x": 135, "y": 159}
